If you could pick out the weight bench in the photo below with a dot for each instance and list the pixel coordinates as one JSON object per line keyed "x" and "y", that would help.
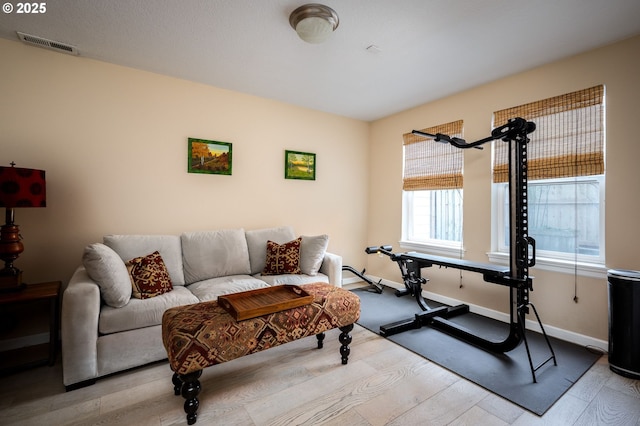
{"x": 198, "y": 336}
{"x": 411, "y": 264}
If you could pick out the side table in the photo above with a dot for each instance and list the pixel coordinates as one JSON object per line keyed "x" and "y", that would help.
{"x": 32, "y": 293}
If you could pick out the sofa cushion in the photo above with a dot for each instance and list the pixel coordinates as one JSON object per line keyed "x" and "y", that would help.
{"x": 293, "y": 279}
{"x": 283, "y": 258}
{"x": 210, "y": 289}
{"x": 139, "y": 313}
{"x": 108, "y": 270}
{"x": 149, "y": 276}
{"x": 312, "y": 250}
{"x": 130, "y": 246}
{"x": 212, "y": 254}
{"x": 257, "y": 243}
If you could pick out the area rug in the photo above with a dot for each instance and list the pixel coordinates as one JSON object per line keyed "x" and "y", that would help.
{"x": 507, "y": 375}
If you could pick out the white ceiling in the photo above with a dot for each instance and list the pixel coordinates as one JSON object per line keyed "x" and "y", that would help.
{"x": 428, "y": 49}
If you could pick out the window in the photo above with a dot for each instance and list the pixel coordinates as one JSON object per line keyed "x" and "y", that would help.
{"x": 434, "y": 216}
{"x": 566, "y": 178}
{"x": 565, "y": 218}
{"x": 432, "y": 191}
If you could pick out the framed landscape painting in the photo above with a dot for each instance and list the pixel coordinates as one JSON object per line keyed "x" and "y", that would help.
{"x": 299, "y": 165}
{"x": 210, "y": 157}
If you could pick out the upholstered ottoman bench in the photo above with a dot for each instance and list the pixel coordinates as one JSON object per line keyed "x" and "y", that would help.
{"x": 198, "y": 336}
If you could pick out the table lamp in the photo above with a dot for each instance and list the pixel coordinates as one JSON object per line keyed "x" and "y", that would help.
{"x": 18, "y": 188}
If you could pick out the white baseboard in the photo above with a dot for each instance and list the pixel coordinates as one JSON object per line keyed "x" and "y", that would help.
{"x": 559, "y": 333}
{"x": 351, "y": 280}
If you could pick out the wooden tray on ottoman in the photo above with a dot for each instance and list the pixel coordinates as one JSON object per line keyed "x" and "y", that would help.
{"x": 264, "y": 301}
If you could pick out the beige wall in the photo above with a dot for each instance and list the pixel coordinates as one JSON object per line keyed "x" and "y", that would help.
{"x": 113, "y": 142}
{"x": 617, "y": 67}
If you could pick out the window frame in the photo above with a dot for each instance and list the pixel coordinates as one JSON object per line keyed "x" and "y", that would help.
{"x": 585, "y": 162}
{"x": 433, "y": 246}
{"x": 570, "y": 263}
{"x": 444, "y": 175}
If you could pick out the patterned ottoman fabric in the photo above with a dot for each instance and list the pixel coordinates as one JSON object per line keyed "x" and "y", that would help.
{"x": 204, "y": 334}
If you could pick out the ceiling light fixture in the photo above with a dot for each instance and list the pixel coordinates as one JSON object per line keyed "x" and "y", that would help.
{"x": 314, "y": 22}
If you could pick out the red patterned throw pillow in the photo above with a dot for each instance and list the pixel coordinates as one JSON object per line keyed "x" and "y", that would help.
{"x": 149, "y": 276}
{"x": 283, "y": 258}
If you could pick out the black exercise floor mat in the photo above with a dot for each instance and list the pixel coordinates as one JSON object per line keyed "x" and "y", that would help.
{"x": 507, "y": 375}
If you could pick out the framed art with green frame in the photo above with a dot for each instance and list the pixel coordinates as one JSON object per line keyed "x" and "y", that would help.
{"x": 299, "y": 165}
{"x": 210, "y": 157}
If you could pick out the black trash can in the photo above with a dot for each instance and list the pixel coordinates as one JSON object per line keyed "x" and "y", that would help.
{"x": 624, "y": 322}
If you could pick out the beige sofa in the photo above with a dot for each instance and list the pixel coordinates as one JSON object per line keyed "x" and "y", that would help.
{"x": 105, "y": 329}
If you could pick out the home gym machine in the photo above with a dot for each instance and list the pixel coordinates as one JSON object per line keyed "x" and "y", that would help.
{"x": 516, "y": 276}
{"x": 373, "y": 286}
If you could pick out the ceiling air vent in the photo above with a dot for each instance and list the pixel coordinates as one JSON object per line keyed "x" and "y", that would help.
{"x": 47, "y": 44}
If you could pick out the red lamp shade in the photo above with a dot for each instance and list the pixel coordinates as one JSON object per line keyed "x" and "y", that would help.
{"x": 22, "y": 187}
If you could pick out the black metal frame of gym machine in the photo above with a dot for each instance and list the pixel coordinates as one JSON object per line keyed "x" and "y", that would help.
{"x": 516, "y": 276}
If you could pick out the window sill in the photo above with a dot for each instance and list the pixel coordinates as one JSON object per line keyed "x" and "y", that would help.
{"x": 593, "y": 270}
{"x": 438, "y": 250}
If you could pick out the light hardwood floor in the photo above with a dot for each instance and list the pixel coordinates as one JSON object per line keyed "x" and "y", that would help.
{"x": 293, "y": 384}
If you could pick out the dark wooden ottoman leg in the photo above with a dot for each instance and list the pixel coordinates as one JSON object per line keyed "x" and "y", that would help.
{"x": 345, "y": 339}
{"x": 190, "y": 391}
{"x": 320, "y": 337}
{"x": 177, "y": 384}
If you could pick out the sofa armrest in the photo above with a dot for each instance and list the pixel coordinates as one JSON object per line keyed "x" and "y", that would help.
{"x": 79, "y": 328}
{"x": 332, "y": 267}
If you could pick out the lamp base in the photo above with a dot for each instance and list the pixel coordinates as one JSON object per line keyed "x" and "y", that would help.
{"x": 12, "y": 282}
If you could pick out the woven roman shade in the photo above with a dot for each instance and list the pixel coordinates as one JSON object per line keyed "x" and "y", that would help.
{"x": 432, "y": 165}
{"x": 569, "y": 136}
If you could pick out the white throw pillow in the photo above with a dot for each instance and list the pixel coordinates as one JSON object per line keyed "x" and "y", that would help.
{"x": 212, "y": 254}
{"x": 312, "y": 250}
{"x": 108, "y": 270}
{"x": 129, "y": 246}
{"x": 257, "y": 244}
